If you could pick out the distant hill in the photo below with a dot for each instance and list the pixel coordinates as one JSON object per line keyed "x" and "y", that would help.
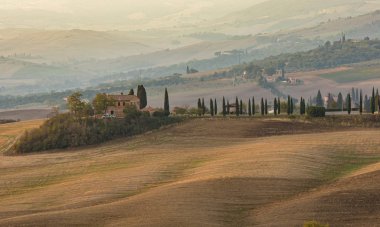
{"x": 66, "y": 45}
{"x": 367, "y": 25}
{"x": 275, "y": 15}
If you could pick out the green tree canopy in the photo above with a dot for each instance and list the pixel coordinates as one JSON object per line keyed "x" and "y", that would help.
{"x": 101, "y": 102}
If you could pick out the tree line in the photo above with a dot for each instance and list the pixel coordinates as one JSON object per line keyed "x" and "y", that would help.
{"x": 79, "y": 127}
{"x": 240, "y": 108}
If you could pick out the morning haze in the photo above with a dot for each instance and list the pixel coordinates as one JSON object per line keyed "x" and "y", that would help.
{"x": 189, "y": 113}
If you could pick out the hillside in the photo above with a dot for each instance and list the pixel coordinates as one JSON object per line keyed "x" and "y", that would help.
{"x": 274, "y": 15}
{"x": 202, "y": 53}
{"x": 358, "y": 27}
{"x": 241, "y": 176}
{"x": 65, "y": 45}
{"x": 22, "y": 77}
{"x": 93, "y": 57}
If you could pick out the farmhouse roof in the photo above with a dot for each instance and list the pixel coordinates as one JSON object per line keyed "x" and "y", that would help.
{"x": 123, "y": 97}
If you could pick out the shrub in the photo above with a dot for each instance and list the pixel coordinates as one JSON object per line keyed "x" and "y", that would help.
{"x": 159, "y": 113}
{"x": 315, "y": 111}
{"x": 67, "y": 131}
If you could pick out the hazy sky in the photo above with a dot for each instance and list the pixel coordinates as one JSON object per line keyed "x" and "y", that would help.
{"x": 112, "y": 14}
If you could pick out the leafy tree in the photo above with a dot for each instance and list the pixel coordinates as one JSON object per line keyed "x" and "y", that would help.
{"x": 237, "y": 107}
{"x": 131, "y": 113}
{"x": 253, "y": 106}
{"x": 101, "y": 102}
{"x": 316, "y": 111}
{"x": 166, "y": 103}
{"x": 131, "y": 92}
{"x": 224, "y": 107}
{"x": 262, "y": 107}
{"x": 211, "y": 108}
{"x": 141, "y": 93}
{"x": 88, "y": 110}
{"x": 319, "y": 99}
{"x": 348, "y": 100}
{"x": 75, "y": 103}
{"x": 249, "y": 108}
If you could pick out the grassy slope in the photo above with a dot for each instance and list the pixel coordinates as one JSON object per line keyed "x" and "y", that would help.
{"x": 9, "y": 132}
{"x": 203, "y": 172}
{"x": 360, "y": 73}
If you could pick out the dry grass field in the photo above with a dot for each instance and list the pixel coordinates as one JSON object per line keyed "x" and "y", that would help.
{"x": 202, "y": 172}
{"x": 25, "y": 114}
{"x": 10, "y": 132}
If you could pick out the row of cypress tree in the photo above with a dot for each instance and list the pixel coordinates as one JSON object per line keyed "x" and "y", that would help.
{"x": 240, "y": 108}
{"x": 369, "y": 104}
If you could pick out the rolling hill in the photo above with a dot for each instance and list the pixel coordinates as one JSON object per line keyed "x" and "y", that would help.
{"x": 273, "y": 15}
{"x": 246, "y": 175}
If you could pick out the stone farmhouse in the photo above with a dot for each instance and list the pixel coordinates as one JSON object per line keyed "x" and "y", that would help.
{"x": 121, "y": 101}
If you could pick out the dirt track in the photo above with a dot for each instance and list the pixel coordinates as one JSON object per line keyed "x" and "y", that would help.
{"x": 204, "y": 172}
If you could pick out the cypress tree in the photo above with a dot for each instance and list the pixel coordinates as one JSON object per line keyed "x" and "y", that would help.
{"x": 262, "y": 107}
{"x": 199, "y": 107}
{"x": 237, "y": 107}
{"x": 224, "y": 107}
{"x": 131, "y": 92}
{"x": 366, "y": 104}
{"x": 275, "y": 106}
{"x": 373, "y": 101}
{"x": 377, "y": 101}
{"x": 288, "y": 109}
{"x": 340, "y": 101}
{"x": 348, "y": 100}
{"x": 228, "y": 107}
{"x": 303, "y": 106}
{"x": 319, "y": 99}
{"x": 203, "y": 107}
{"x": 266, "y": 107}
{"x": 211, "y": 108}
{"x": 249, "y": 108}
{"x": 357, "y": 95}
{"x": 141, "y": 93}
{"x": 291, "y": 106}
{"x": 166, "y": 103}
{"x": 279, "y": 106}
{"x": 241, "y": 107}
{"x": 253, "y": 106}
{"x": 361, "y": 103}
{"x": 215, "y": 108}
